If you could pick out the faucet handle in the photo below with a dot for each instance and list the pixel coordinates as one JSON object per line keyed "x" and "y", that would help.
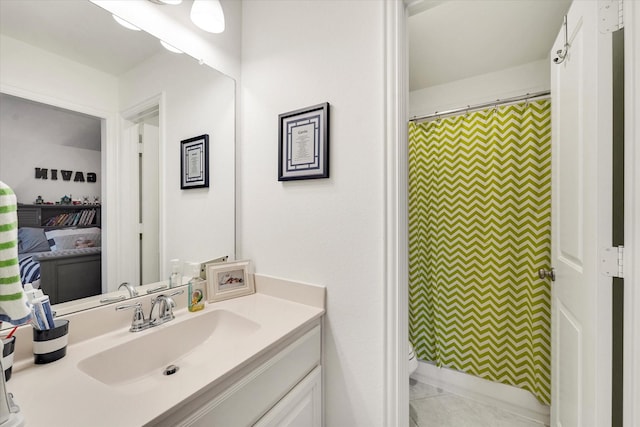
{"x": 174, "y": 293}
{"x": 138, "y": 322}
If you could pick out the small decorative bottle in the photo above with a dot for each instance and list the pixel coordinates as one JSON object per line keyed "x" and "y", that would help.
{"x": 197, "y": 287}
{"x": 175, "y": 279}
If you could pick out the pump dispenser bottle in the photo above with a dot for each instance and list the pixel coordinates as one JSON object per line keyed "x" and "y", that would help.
{"x": 197, "y": 287}
{"x": 175, "y": 279}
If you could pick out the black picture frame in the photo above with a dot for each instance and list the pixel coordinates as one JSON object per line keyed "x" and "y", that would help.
{"x": 194, "y": 162}
{"x": 303, "y": 143}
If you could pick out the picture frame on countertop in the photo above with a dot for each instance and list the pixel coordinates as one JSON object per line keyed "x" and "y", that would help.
{"x": 229, "y": 280}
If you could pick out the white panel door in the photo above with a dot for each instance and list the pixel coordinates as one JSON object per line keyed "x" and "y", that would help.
{"x": 149, "y": 173}
{"x": 581, "y": 222}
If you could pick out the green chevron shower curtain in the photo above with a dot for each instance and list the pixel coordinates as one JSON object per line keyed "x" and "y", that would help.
{"x": 479, "y": 230}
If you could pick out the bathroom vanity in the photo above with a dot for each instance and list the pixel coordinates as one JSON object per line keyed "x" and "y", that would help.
{"x": 252, "y": 360}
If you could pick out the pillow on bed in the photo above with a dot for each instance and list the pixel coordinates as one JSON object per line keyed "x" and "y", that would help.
{"x": 32, "y": 240}
{"x": 72, "y": 238}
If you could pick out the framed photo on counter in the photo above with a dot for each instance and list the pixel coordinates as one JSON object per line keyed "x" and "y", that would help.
{"x": 229, "y": 280}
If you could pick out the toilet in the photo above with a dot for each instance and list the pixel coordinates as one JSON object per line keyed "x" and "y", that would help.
{"x": 413, "y": 361}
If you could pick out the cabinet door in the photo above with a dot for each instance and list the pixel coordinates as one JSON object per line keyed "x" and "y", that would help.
{"x": 301, "y": 407}
{"x": 256, "y": 391}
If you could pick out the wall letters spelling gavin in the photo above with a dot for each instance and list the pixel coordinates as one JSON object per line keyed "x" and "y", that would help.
{"x": 42, "y": 173}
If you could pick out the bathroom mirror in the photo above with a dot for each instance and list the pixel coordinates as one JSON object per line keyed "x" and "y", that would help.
{"x": 72, "y": 55}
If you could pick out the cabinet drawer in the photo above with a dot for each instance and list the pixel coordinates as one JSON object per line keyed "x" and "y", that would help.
{"x": 302, "y": 407}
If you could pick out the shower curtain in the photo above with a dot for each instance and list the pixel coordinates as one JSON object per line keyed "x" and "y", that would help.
{"x": 479, "y": 231}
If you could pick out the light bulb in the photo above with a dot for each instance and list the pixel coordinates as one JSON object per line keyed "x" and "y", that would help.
{"x": 169, "y": 47}
{"x": 208, "y": 15}
{"x": 169, "y": 2}
{"x": 125, "y": 23}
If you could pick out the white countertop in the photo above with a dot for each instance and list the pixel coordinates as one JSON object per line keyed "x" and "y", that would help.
{"x": 60, "y": 394}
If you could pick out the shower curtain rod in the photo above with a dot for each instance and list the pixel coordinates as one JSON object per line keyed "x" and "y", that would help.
{"x": 476, "y": 107}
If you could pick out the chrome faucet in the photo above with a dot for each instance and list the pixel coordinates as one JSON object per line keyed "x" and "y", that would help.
{"x": 165, "y": 306}
{"x": 132, "y": 291}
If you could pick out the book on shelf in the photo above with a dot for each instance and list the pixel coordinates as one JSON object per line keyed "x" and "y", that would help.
{"x": 92, "y": 215}
{"x": 83, "y": 216}
{"x": 79, "y": 218}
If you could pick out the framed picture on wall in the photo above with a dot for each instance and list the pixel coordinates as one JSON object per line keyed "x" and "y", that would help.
{"x": 229, "y": 280}
{"x": 303, "y": 143}
{"x": 194, "y": 162}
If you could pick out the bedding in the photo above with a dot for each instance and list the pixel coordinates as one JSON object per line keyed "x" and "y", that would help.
{"x": 72, "y": 238}
{"x": 35, "y": 244}
{"x": 29, "y": 269}
{"x": 32, "y": 239}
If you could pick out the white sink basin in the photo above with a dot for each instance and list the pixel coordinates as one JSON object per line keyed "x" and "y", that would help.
{"x": 156, "y": 348}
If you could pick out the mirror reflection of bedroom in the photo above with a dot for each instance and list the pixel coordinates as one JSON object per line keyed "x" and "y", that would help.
{"x": 51, "y": 157}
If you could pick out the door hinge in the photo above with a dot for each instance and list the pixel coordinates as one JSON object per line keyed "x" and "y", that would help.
{"x": 609, "y": 15}
{"x": 612, "y": 261}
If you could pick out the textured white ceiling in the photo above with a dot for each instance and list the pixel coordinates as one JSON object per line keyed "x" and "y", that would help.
{"x": 456, "y": 39}
{"x": 23, "y": 122}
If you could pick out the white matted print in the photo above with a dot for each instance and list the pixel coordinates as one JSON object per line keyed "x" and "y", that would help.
{"x": 229, "y": 280}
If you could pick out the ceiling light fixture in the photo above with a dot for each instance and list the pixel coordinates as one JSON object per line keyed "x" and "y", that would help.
{"x": 169, "y": 2}
{"x": 125, "y": 23}
{"x": 169, "y": 47}
{"x": 208, "y": 15}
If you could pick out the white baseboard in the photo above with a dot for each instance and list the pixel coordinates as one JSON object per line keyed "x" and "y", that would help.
{"x": 509, "y": 398}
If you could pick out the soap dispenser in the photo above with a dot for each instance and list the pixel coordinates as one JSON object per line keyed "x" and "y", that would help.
{"x": 175, "y": 279}
{"x": 197, "y": 287}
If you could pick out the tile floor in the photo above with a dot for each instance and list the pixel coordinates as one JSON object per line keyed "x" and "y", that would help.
{"x": 434, "y": 407}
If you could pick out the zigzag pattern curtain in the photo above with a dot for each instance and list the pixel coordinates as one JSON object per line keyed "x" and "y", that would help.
{"x": 479, "y": 230}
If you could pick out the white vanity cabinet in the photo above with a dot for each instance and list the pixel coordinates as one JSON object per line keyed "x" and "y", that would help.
{"x": 301, "y": 407}
{"x": 281, "y": 388}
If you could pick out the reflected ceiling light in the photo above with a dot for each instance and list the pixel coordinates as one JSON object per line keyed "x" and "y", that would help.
{"x": 208, "y": 15}
{"x": 169, "y": 47}
{"x": 125, "y": 23}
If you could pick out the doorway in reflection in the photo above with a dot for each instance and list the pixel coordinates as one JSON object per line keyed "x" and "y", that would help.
{"x": 142, "y": 144}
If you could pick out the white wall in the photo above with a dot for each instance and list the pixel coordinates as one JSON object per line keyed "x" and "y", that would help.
{"x": 199, "y": 223}
{"x": 528, "y": 78}
{"x": 18, "y": 160}
{"x": 36, "y": 74}
{"x": 326, "y": 231}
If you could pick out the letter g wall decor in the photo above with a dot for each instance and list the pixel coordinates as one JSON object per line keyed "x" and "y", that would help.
{"x": 43, "y": 173}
